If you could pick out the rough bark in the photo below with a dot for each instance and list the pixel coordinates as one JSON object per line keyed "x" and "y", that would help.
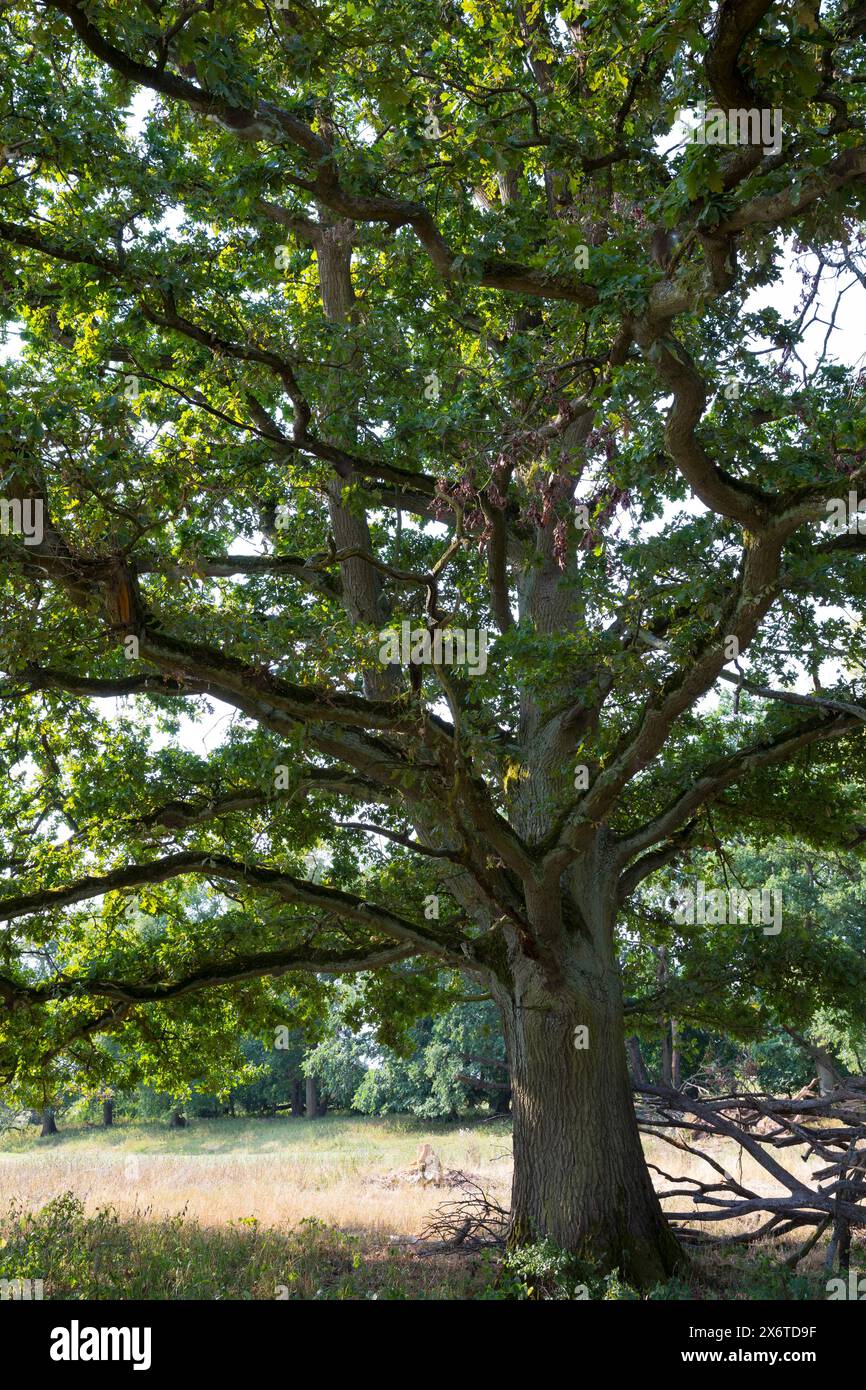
{"x": 107, "y": 1113}
{"x": 48, "y": 1123}
{"x": 580, "y": 1178}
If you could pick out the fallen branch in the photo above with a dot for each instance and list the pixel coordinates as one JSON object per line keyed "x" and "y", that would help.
{"x": 831, "y": 1128}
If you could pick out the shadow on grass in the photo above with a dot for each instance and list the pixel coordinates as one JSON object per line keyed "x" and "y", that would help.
{"x": 104, "y": 1256}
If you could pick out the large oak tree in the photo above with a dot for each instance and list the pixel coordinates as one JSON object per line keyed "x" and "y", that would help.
{"x": 336, "y": 316}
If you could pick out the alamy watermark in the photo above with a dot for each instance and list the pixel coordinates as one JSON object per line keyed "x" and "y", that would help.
{"x": 444, "y": 646}
{"x": 719, "y": 906}
{"x": 77, "y": 1343}
{"x": 847, "y": 515}
{"x": 22, "y": 517}
{"x": 854, "y": 1291}
{"x": 742, "y": 126}
{"x": 22, "y": 1290}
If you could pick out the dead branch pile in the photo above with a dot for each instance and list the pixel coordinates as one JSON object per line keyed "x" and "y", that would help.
{"x": 410, "y": 1177}
{"x": 426, "y": 1171}
{"x": 472, "y": 1221}
{"x": 829, "y": 1129}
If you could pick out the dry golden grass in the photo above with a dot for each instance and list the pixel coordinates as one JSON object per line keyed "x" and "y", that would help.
{"x": 280, "y": 1171}
{"x": 307, "y": 1205}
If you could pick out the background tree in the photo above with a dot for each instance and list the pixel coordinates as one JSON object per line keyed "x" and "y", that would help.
{"x": 335, "y": 316}
{"x": 799, "y": 1008}
{"x": 443, "y": 1067}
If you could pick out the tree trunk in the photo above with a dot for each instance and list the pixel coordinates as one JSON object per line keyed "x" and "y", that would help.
{"x": 636, "y": 1062}
{"x": 108, "y": 1113}
{"x": 297, "y": 1097}
{"x": 500, "y": 1101}
{"x": 312, "y": 1099}
{"x": 666, "y": 1038}
{"x": 48, "y": 1124}
{"x": 580, "y": 1178}
{"x": 828, "y": 1074}
{"x": 676, "y": 1056}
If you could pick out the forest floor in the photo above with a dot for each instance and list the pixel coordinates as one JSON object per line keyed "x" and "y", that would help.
{"x": 282, "y": 1207}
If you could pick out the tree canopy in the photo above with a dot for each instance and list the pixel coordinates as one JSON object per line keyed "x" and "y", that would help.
{"x": 430, "y": 316}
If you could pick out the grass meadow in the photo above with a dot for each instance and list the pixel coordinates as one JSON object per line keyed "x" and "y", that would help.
{"x": 286, "y": 1208}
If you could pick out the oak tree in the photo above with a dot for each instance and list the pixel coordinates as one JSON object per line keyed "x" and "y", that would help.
{"x": 430, "y": 316}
